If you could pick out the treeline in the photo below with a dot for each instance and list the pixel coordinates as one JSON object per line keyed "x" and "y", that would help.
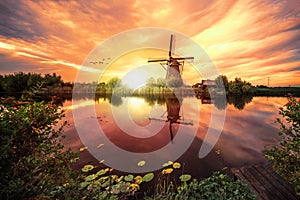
{"x": 21, "y": 82}
{"x": 113, "y": 85}
{"x": 236, "y": 86}
{"x": 241, "y": 87}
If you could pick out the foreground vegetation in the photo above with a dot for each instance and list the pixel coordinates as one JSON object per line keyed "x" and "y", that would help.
{"x": 286, "y": 155}
{"x": 34, "y": 165}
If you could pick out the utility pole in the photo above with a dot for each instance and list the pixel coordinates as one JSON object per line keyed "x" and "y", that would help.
{"x": 268, "y": 81}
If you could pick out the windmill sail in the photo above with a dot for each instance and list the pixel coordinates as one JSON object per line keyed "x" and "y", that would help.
{"x": 171, "y": 44}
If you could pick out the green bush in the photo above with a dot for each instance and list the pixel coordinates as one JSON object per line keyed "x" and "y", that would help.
{"x": 33, "y": 163}
{"x": 286, "y": 155}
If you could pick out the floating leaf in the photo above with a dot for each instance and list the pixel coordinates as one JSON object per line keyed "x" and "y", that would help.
{"x": 218, "y": 151}
{"x": 102, "y": 172}
{"x": 101, "y": 161}
{"x": 141, "y": 163}
{"x": 167, "y": 171}
{"x": 167, "y": 164}
{"x": 138, "y": 179}
{"x": 176, "y": 165}
{"x": 87, "y": 168}
{"x": 100, "y": 145}
{"x": 83, "y": 185}
{"x": 148, "y": 177}
{"x": 90, "y": 177}
{"x": 129, "y": 177}
{"x": 83, "y": 148}
{"x": 185, "y": 177}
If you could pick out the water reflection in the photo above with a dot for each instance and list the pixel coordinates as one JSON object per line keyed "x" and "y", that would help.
{"x": 238, "y": 101}
{"x": 173, "y": 105}
{"x": 249, "y": 127}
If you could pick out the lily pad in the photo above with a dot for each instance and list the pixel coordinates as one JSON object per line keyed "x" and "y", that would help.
{"x": 129, "y": 177}
{"x": 176, "y": 165}
{"x": 148, "y": 177}
{"x": 141, "y": 163}
{"x": 87, "y": 168}
{"x": 102, "y": 172}
{"x": 90, "y": 177}
{"x": 167, "y": 164}
{"x": 167, "y": 171}
{"x": 185, "y": 177}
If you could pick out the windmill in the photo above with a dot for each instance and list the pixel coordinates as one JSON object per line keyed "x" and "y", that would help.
{"x": 173, "y": 65}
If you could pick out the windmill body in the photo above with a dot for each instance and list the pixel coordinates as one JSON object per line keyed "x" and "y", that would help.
{"x": 174, "y": 67}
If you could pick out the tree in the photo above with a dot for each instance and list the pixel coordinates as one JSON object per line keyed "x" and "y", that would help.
{"x": 238, "y": 86}
{"x": 114, "y": 83}
{"x": 161, "y": 82}
{"x": 222, "y": 81}
{"x": 150, "y": 82}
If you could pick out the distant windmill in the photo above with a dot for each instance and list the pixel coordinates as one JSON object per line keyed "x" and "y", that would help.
{"x": 173, "y": 65}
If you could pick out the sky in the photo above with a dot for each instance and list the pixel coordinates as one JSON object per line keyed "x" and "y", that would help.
{"x": 251, "y": 39}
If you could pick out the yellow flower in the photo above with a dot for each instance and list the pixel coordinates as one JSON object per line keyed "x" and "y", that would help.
{"x": 133, "y": 187}
{"x": 176, "y": 165}
{"x": 167, "y": 171}
{"x": 82, "y": 148}
{"x": 138, "y": 179}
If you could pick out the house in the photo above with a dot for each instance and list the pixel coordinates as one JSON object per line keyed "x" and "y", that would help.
{"x": 205, "y": 83}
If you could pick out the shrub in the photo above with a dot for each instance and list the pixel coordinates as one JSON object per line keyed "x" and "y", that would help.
{"x": 286, "y": 155}
{"x": 33, "y": 163}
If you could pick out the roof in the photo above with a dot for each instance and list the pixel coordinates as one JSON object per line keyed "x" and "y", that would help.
{"x": 209, "y": 82}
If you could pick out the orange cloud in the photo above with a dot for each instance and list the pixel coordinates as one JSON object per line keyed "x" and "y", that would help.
{"x": 253, "y": 39}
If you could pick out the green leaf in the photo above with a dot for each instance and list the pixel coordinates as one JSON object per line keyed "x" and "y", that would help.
{"x": 167, "y": 164}
{"x": 141, "y": 163}
{"x": 185, "y": 177}
{"x": 129, "y": 177}
{"x": 102, "y": 172}
{"x": 90, "y": 177}
{"x": 87, "y": 168}
{"x": 148, "y": 177}
{"x": 83, "y": 185}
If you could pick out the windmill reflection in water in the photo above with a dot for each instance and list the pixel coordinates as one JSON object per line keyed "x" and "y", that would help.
{"x": 173, "y": 114}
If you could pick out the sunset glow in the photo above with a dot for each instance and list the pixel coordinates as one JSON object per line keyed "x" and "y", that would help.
{"x": 253, "y": 39}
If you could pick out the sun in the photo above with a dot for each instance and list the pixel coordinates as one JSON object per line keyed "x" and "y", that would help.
{"x": 135, "y": 78}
